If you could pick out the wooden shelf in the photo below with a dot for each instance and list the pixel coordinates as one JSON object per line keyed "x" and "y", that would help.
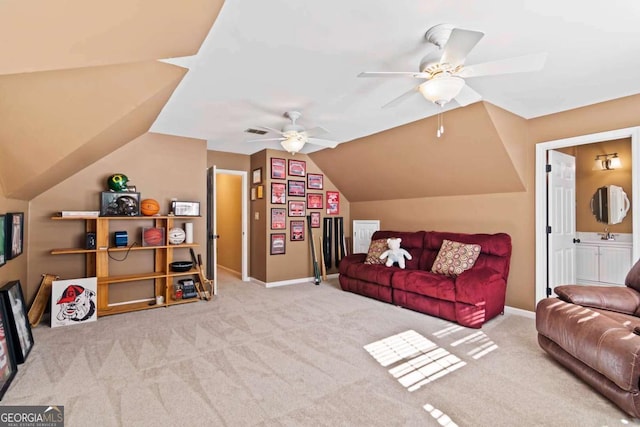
{"x": 97, "y": 262}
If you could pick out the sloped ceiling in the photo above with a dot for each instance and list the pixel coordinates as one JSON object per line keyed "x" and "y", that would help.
{"x": 80, "y": 79}
{"x": 411, "y": 162}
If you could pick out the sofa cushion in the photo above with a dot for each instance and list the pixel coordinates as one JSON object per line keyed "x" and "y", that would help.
{"x": 455, "y": 257}
{"x": 633, "y": 277}
{"x": 378, "y": 274}
{"x": 425, "y": 283}
{"x": 376, "y": 248}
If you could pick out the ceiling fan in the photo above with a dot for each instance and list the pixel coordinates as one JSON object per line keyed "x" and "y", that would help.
{"x": 444, "y": 71}
{"x": 294, "y": 136}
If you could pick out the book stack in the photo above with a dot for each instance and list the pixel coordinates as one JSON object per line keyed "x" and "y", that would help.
{"x": 65, "y": 214}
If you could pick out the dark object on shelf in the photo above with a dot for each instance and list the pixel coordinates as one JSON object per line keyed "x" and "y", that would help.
{"x": 181, "y": 266}
{"x": 120, "y": 239}
{"x": 188, "y": 288}
{"x": 119, "y": 204}
{"x": 90, "y": 242}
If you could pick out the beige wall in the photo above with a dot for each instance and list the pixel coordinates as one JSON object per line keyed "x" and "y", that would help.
{"x": 229, "y": 221}
{"x": 588, "y": 180}
{"x": 160, "y": 166}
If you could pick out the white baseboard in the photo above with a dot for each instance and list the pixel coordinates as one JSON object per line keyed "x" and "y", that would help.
{"x": 229, "y": 270}
{"x": 289, "y": 282}
{"x": 520, "y": 312}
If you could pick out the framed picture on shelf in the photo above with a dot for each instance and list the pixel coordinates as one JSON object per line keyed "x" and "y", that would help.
{"x": 14, "y": 234}
{"x": 315, "y": 219}
{"x": 315, "y": 181}
{"x": 119, "y": 203}
{"x": 73, "y": 301}
{"x": 333, "y": 203}
{"x": 296, "y": 231}
{"x": 278, "y": 243}
{"x": 295, "y": 188}
{"x": 314, "y": 200}
{"x": 297, "y": 167}
{"x": 17, "y": 320}
{"x": 256, "y": 176}
{"x": 278, "y": 168}
{"x": 3, "y": 244}
{"x": 8, "y": 369}
{"x": 278, "y": 218}
{"x": 296, "y": 208}
{"x": 185, "y": 208}
{"x": 278, "y": 193}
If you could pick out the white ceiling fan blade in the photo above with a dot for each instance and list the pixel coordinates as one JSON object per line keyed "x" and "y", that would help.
{"x": 459, "y": 45}
{"x": 467, "y": 96}
{"x": 394, "y": 74}
{"x": 266, "y": 139}
{"x": 316, "y": 131}
{"x": 270, "y": 129}
{"x": 401, "y": 98}
{"x": 519, "y": 64}
{"x": 323, "y": 142}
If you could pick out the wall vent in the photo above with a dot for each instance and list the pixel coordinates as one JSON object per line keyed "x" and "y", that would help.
{"x": 256, "y": 131}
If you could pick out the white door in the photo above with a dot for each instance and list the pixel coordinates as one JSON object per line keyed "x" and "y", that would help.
{"x": 561, "y": 222}
{"x": 362, "y": 232}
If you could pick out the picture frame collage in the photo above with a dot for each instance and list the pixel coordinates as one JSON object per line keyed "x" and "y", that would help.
{"x": 296, "y": 193}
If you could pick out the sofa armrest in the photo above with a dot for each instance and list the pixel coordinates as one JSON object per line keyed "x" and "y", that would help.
{"x": 613, "y": 298}
{"x": 471, "y": 285}
{"x": 350, "y": 259}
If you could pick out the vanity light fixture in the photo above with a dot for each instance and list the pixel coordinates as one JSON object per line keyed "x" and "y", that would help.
{"x": 607, "y": 162}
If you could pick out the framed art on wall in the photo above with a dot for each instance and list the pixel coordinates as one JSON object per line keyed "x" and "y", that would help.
{"x": 295, "y": 188}
{"x": 278, "y": 218}
{"x": 296, "y": 208}
{"x": 297, "y": 230}
{"x": 14, "y": 234}
{"x": 278, "y": 193}
{"x": 278, "y": 168}
{"x": 8, "y": 367}
{"x": 297, "y": 167}
{"x": 17, "y": 321}
{"x": 3, "y": 247}
{"x": 333, "y": 203}
{"x": 315, "y": 219}
{"x": 278, "y": 243}
{"x": 256, "y": 176}
{"x": 315, "y": 181}
{"x": 314, "y": 200}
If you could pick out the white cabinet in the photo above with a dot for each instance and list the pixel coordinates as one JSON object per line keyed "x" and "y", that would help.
{"x": 603, "y": 263}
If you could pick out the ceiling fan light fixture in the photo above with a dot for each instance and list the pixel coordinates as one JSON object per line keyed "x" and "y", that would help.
{"x": 293, "y": 144}
{"x": 441, "y": 90}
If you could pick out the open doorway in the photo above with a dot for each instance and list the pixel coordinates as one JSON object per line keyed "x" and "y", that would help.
{"x": 227, "y": 222}
{"x": 542, "y": 197}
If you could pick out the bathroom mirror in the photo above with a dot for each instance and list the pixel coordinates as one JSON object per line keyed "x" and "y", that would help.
{"x": 610, "y": 204}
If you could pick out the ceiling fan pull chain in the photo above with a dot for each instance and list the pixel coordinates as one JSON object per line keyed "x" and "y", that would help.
{"x": 440, "y": 125}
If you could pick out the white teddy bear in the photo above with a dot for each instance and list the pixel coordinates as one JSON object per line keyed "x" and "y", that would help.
{"x": 395, "y": 253}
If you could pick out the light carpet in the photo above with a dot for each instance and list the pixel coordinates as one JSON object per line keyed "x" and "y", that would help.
{"x": 301, "y": 355}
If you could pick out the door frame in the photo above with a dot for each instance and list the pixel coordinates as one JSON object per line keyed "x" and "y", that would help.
{"x": 245, "y": 216}
{"x": 541, "y": 194}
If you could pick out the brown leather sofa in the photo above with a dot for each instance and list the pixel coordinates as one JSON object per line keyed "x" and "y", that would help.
{"x": 594, "y": 331}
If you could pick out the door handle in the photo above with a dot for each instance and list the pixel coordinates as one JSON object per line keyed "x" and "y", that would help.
{"x": 214, "y": 236}
{"x": 576, "y": 240}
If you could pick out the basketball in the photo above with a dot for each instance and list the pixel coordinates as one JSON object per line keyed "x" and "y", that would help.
{"x": 176, "y": 236}
{"x": 152, "y": 237}
{"x": 149, "y": 207}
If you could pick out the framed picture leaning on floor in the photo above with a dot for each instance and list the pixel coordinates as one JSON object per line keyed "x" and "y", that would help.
{"x": 17, "y": 328}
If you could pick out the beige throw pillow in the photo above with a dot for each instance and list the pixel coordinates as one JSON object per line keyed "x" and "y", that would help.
{"x": 455, "y": 257}
{"x": 376, "y": 247}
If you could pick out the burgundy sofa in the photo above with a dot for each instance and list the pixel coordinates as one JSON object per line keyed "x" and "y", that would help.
{"x": 469, "y": 299}
{"x": 594, "y": 331}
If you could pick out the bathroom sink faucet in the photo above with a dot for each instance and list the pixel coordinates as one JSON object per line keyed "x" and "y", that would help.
{"x": 607, "y": 236}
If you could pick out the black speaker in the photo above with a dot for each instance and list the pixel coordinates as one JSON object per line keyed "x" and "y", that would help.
{"x": 90, "y": 242}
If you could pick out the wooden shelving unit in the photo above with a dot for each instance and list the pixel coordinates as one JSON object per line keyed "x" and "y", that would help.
{"x": 97, "y": 262}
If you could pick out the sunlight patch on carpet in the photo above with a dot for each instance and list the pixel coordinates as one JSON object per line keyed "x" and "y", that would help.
{"x": 442, "y": 418}
{"x": 422, "y": 360}
{"x": 483, "y": 344}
